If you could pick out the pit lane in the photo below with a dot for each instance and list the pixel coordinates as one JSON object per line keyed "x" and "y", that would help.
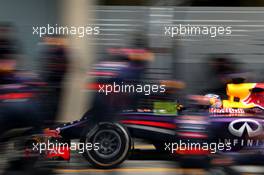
{"x": 144, "y": 160}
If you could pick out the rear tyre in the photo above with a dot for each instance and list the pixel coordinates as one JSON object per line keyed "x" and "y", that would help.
{"x": 112, "y": 142}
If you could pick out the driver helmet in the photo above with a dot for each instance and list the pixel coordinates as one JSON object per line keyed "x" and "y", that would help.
{"x": 215, "y": 100}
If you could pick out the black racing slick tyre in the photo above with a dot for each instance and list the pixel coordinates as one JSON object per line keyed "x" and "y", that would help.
{"x": 113, "y": 145}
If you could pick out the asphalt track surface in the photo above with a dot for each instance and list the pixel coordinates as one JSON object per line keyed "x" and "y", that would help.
{"x": 145, "y": 161}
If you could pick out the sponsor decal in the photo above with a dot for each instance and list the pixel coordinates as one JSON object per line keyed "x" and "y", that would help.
{"x": 226, "y": 111}
{"x": 256, "y": 98}
{"x": 241, "y": 126}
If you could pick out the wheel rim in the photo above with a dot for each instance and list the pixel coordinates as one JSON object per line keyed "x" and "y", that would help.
{"x": 109, "y": 143}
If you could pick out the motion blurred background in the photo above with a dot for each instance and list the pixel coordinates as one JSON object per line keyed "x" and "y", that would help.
{"x": 184, "y": 59}
{"x": 199, "y": 62}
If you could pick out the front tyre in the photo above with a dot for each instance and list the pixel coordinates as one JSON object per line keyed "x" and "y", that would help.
{"x": 113, "y": 145}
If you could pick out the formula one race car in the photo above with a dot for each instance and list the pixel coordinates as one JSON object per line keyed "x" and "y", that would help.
{"x": 223, "y": 126}
{"x": 234, "y": 126}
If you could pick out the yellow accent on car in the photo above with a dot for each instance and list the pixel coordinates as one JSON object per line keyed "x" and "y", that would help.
{"x": 237, "y": 93}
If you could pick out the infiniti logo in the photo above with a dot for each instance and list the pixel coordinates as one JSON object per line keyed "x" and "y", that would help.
{"x": 252, "y": 127}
